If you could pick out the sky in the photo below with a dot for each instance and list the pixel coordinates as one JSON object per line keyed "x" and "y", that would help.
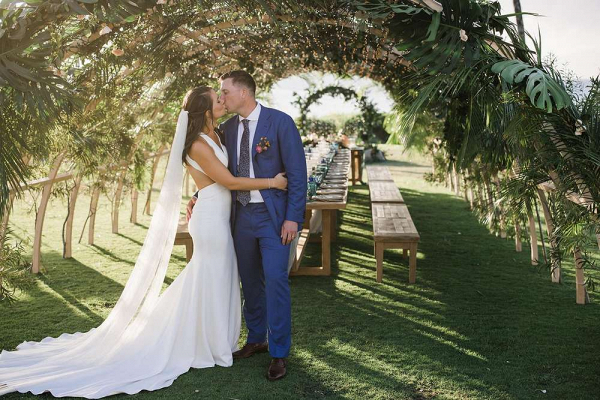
{"x": 570, "y": 31}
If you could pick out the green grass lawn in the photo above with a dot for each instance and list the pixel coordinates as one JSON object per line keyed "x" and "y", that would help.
{"x": 481, "y": 322}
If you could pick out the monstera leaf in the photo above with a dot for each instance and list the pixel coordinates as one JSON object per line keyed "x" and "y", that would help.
{"x": 543, "y": 91}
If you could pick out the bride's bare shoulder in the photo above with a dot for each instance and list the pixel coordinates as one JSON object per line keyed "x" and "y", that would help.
{"x": 200, "y": 148}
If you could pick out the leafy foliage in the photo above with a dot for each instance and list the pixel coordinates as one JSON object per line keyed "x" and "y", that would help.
{"x": 14, "y": 269}
{"x": 542, "y": 90}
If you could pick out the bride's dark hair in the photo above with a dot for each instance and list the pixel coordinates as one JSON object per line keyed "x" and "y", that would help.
{"x": 198, "y": 103}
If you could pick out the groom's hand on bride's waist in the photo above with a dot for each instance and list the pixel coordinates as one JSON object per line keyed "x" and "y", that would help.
{"x": 190, "y": 206}
{"x": 289, "y": 230}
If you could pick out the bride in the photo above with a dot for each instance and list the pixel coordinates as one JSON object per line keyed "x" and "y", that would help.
{"x": 149, "y": 339}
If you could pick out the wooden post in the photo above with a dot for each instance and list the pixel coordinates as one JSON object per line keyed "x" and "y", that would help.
{"x": 93, "y": 208}
{"x": 501, "y": 209}
{"x": 471, "y": 194}
{"x": 480, "y": 195}
{"x": 41, "y": 214}
{"x": 518, "y": 245}
{"x": 466, "y": 188}
{"x": 134, "y": 204}
{"x": 556, "y": 272}
{"x": 490, "y": 205}
{"x": 456, "y": 181}
{"x": 581, "y": 290}
{"x": 152, "y": 176}
{"x": 326, "y": 242}
{"x": 532, "y": 235}
{"x": 117, "y": 203}
{"x": 123, "y": 174}
{"x": 69, "y": 227}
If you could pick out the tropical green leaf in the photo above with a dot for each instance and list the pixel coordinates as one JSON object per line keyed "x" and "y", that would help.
{"x": 543, "y": 91}
{"x": 433, "y": 27}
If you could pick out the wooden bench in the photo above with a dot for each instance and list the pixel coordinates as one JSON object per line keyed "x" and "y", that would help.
{"x": 183, "y": 238}
{"x": 378, "y": 173}
{"x": 384, "y": 192}
{"x": 393, "y": 228}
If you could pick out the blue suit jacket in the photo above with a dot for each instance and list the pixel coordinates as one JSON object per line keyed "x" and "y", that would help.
{"x": 286, "y": 154}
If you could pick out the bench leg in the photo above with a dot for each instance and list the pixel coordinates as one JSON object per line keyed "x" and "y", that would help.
{"x": 404, "y": 253}
{"x": 379, "y": 259}
{"x": 412, "y": 264}
{"x": 189, "y": 250}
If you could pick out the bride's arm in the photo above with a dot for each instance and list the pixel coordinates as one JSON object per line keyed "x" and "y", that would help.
{"x": 204, "y": 155}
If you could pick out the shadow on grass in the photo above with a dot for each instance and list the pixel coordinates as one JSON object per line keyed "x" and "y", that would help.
{"x": 105, "y": 252}
{"x": 479, "y": 318}
{"x": 480, "y": 323}
{"x": 68, "y": 296}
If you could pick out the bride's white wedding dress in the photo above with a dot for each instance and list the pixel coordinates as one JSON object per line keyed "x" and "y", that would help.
{"x": 150, "y": 338}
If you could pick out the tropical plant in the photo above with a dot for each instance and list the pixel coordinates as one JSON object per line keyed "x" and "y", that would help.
{"x": 14, "y": 269}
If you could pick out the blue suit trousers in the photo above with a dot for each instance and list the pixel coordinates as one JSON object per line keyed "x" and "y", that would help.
{"x": 262, "y": 264}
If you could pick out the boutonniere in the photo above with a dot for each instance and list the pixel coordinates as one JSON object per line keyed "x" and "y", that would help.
{"x": 263, "y": 145}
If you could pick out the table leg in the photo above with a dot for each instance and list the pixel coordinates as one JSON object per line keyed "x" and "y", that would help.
{"x": 189, "y": 250}
{"x": 354, "y": 164}
{"x": 412, "y": 263}
{"x": 359, "y": 160}
{"x": 334, "y": 220}
{"x": 379, "y": 260}
{"x": 326, "y": 242}
{"x": 307, "y": 216}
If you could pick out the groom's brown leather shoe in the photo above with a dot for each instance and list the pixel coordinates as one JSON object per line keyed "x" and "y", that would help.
{"x": 251, "y": 349}
{"x": 277, "y": 369}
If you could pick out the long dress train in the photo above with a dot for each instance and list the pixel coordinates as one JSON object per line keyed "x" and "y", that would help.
{"x": 194, "y": 323}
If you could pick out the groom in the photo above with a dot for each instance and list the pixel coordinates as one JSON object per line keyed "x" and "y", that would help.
{"x": 261, "y": 142}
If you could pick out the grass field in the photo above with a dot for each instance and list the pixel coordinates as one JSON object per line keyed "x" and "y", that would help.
{"x": 481, "y": 322}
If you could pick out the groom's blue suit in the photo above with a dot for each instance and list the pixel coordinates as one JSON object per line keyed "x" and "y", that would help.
{"x": 256, "y": 227}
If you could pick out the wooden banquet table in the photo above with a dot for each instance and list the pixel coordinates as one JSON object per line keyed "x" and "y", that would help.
{"x": 329, "y": 225}
{"x": 328, "y": 210}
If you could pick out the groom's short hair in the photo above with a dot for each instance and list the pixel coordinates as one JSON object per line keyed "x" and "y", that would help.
{"x": 241, "y": 77}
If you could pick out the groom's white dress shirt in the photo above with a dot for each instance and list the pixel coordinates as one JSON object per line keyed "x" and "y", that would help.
{"x": 255, "y": 196}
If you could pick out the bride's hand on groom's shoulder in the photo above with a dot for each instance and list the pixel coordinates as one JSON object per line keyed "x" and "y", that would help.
{"x": 190, "y": 207}
{"x": 280, "y": 181}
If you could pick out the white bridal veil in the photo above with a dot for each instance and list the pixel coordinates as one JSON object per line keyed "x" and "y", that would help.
{"x": 72, "y": 354}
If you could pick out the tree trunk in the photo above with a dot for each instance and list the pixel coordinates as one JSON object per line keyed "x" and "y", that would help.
{"x": 501, "y": 209}
{"x": 490, "y": 201}
{"x": 581, "y": 290}
{"x": 41, "y": 214}
{"x": 68, "y": 249}
{"x": 466, "y": 190}
{"x": 556, "y": 272}
{"x": 117, "y": 203}
{"x": 92, "y": 214}
{"x": 456, "y": 181}
{"x": 532, "y": 235}
{"x": 134, "y": 206}
{"x": 518, "y": 244}
{"x": 152, "y": 176}
{"x": 520, "y": 25}
{"x": 481, "y": 199}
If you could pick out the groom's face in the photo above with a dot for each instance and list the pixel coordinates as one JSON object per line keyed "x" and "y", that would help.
{"x": 232, "y": 96}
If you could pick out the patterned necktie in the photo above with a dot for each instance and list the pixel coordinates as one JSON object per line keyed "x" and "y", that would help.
{"x": 243, "y": 170}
